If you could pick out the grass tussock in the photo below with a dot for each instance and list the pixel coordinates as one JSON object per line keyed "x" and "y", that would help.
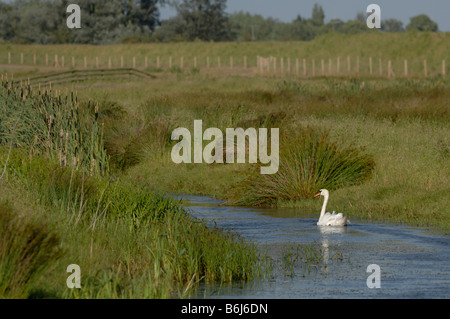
{"x": 309, "y": 161}
{"x": 28, "y": 248}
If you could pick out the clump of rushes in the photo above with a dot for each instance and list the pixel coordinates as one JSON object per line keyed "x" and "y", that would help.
{"x": 309, "y": 161}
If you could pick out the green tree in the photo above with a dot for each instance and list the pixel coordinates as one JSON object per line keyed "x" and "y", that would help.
{"x": 303, "y": 30}
{"x": 8, "y": 19}
{"x": 335, "y": 25}
{"x": 172, "y": 30}
{"x": 392, "y": 25}
{"x": 246, "y": 27}
{"x": 318, "y": 15}
{"x": 35, "y": 21}
{"x": 44, "y": 21}
{"x": 205, "y": 19}
{"x": 422, "y": 23}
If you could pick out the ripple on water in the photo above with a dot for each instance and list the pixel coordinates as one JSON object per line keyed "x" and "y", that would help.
{"x": 413, "y": 264}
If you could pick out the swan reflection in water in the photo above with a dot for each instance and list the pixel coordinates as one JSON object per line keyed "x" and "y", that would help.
{"x": 326, "y": 241}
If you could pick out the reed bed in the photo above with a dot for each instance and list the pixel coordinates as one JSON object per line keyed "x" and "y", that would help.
{"x": 47, "y": 122}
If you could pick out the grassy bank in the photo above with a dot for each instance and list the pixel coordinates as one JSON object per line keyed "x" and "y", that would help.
{"x": 128, "y": 241}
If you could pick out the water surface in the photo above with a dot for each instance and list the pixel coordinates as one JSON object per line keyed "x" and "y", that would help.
{"x": 414, "y": 262}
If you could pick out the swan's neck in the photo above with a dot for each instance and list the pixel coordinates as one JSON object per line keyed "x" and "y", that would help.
{"x": 324, "y": 206}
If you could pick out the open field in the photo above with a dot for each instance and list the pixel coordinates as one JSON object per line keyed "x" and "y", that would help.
{"x": 354, "y": 53}
{"x": 399, "y": 128}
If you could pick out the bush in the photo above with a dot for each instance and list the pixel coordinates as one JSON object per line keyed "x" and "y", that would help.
{"x": 309, "y": 161}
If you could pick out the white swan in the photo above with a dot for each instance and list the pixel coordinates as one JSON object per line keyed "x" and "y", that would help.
{"x": 327, "y": 219}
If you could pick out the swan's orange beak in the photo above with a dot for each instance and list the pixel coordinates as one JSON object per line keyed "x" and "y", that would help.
{"x": 318, "y": 194}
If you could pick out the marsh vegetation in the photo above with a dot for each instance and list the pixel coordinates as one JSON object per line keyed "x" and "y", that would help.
{"x": 92, "y": 170}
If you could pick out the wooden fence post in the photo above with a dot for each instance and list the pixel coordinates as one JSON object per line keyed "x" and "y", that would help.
{"x": 313, "y": 67}
{"x": 73, "y": 62}
{"x": 338, "y": 68}
{"x": 406, "y": 67}
{"x": 330, "y": 67}
{"x": 9, "y": 57}
{"x": 62, "y": 61}
{"x": 56, "y": 61}
{"x": 245, "y": 61}
{"x": 304, "y": 68}
{"x": 158, "y": 62}
{"x": 349, "y": 67}
{"x": 390, "y": 71}
{"x": 134, "y": 62}
{"x": 231, "y": 62}
{"x": 34, "y": 58}
{"x": 109, "y": 63}
{"x": 46, "y": 59}
{"x": 370, "y": 66}
{"x": 21, "y": 58}
{"x": 146, "y": 62}
{"x": 121, "y": 62}
{"x": 357, "y": 64}
{"x": 218, "y": 62}
{"x": 195, "y": 62}
{"x": 96, "y": 62}
{"x": 207, "y": 62}
{"x": 322, "y": 62}
{"x": 85, "y": 62}
{"x": 381, "y": 67}
{"x": 181, "y": 62}
{"x": 443, "y": 69}
{"x": 425, "y": 68}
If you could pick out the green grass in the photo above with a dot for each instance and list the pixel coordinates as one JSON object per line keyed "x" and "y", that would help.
{"x": 413, "y": 46}
{"x": 402, "y": 124}
{"x": 45, "y": 122}
{"x": 129, "y": 242}
{"x": 28, "y": 248}
{"x": 132, "y": 242}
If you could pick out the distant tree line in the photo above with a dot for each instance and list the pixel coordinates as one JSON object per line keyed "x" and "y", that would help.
{"x": 103, "y": 22}
{"x": 114, "y": 21}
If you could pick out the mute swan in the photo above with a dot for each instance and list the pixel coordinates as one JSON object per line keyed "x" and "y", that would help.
{"x": 327, "y": 219}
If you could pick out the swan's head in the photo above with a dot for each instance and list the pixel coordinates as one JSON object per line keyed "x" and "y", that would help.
{"x": 322, "y": 192}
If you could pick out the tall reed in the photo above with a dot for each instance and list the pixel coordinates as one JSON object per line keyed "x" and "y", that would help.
{"x": 47, "y": 122}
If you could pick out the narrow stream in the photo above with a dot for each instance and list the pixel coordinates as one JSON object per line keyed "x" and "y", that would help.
{"x": 413, "y": 263}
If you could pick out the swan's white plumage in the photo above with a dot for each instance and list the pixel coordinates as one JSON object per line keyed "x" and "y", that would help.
{"x": 327, "y": 219}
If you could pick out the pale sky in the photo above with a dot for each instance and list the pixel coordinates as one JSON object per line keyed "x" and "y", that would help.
{"x": 287, "y": 10}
